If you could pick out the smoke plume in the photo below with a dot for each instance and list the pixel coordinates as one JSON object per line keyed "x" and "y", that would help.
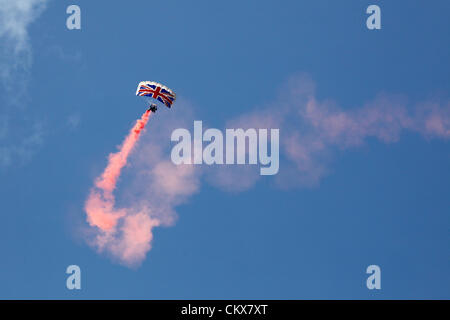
{"x": 130, "y": 240}
{"x": 312, "y": 132}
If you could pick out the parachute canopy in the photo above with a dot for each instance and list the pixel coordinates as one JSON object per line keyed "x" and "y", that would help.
{"x": 155, "y": 91}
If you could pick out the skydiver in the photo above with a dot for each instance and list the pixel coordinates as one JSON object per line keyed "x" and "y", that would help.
{"x": 153, "y": 107}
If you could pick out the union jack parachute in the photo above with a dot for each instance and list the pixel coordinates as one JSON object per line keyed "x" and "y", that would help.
{"x": 155, "y": 91}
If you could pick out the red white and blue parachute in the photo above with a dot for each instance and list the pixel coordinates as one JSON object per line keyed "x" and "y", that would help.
{"x": 155, "y": 91}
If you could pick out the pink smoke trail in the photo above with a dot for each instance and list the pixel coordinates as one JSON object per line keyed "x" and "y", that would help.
{"x": 99, "y": 206}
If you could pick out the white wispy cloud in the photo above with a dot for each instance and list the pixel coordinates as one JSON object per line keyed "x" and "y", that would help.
{"x": 73, "y": 120}
{"x": 16, "y": 58}
{"x": 15, "y": 19}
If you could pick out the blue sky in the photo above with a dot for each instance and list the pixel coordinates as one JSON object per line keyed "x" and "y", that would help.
{"x": 379, "y": 203}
